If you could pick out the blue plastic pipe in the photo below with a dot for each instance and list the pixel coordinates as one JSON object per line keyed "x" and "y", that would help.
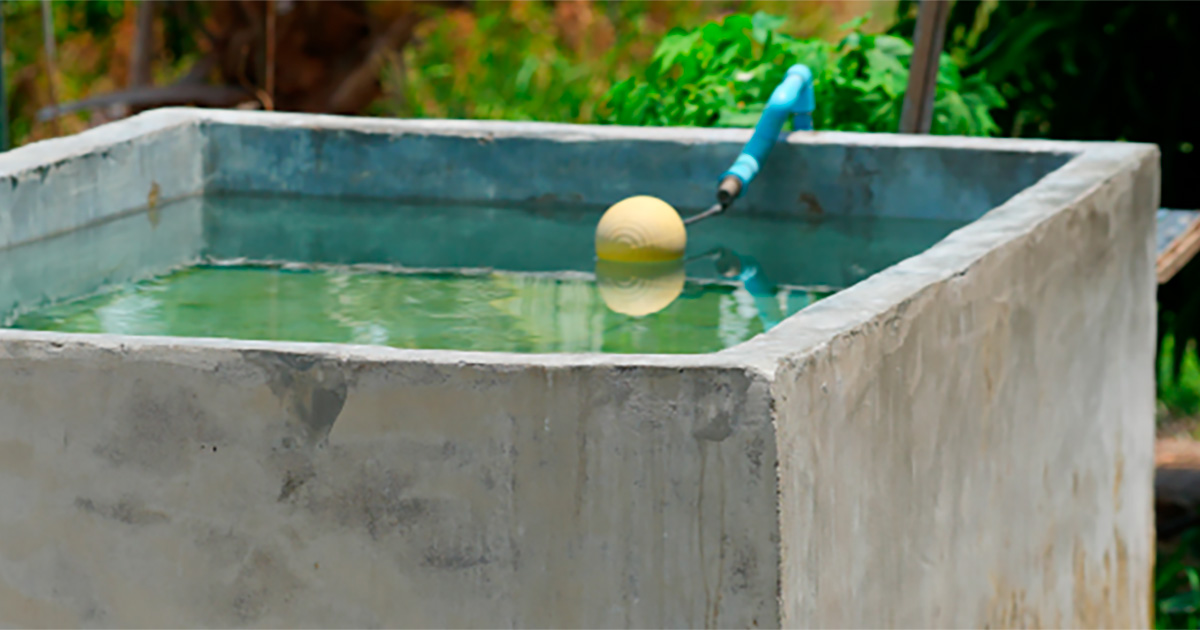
{"x": 792, "y": 99}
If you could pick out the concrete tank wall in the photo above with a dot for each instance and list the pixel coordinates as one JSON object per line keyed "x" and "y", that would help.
{"x": 961, "y": 440}
{"x": 162, "y": 485}
{"x": 980, "y": 452}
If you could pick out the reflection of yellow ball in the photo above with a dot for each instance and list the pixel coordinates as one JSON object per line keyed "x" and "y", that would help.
{"x": 640, "y": 229}
{"x": 639, "y": 289}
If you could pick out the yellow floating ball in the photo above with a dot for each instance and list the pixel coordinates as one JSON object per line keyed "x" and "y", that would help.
{"x": 638, "y": 289}
{"x": 640, "y": 229}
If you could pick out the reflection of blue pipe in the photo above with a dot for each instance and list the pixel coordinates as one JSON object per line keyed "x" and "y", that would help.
{"x": 773, "y": 303}
{"x": 793, "y": 97}
{"x": 760, "y": 287}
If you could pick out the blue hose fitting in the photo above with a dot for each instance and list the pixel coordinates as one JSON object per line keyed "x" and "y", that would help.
{"x": 793, "y": 98}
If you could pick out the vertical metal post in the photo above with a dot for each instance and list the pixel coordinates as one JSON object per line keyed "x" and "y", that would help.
{"x": 270, "y": 80}
{"x": 930, "y": 35}
{"x": 48, "y": 43}
{"x": 3, "y": 87}
{"x": 143, "y": 42}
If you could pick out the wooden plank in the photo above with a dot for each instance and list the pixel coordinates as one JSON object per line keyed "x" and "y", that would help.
{"x": 1178, "y": 241}
{"x": 1176, "y": 485}
{"x": 930, "y": 35}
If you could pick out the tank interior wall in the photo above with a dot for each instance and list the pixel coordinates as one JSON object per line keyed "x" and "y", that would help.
{"x": 813, "y": 173}
{"x": 69, "y": 188}
{"x": 63, "y": 184}
{"x": 146, "y": 160}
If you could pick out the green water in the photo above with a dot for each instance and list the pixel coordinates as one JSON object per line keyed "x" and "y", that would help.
{"x": 358, "y": 271}
{"x": 483, "y": 311}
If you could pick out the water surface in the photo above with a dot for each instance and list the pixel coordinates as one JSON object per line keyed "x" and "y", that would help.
{"x": 479, "y": 311}
{"x": 436, "y": 276}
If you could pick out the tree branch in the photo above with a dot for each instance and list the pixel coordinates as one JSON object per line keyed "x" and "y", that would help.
{"x": 149, "y": 97}
{"x": 359, "y": 85}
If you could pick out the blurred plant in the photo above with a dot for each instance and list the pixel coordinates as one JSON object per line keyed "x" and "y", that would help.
{"x": 1178, "y": 378}
{"x": 1089, "y": 71}
{"x": 525, "y": 60}
{"x": 721, "y": 74}
{"x": 86, "y": 58}
{"x": 520, "y": 60}
{"x": 555, "y": 61}
{"x": 1178, "y": 329}
{"x": 1177, "y": 583}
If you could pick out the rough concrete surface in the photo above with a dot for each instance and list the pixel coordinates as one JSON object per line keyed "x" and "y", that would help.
{"x": 962, "y": 440}
{"x": 273, "y": 489}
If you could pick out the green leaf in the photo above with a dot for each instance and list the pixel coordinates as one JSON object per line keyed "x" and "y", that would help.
{"x": 856, "y": 24}
{"x": 672, "y": 46}
{"x": 763, "y": 26}
{"x": 1182, "y": 603}
{"x": 738, "y": 23}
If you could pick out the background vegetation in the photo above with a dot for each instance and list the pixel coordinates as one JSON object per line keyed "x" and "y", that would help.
{"x": 1021, "y": 68}
{"x": 721, "y": 74}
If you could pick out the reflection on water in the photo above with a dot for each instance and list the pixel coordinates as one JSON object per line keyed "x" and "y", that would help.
{"x": 513, "y": 312}
{"x": 639, "y": 289}
{"x": 506, "y": 279}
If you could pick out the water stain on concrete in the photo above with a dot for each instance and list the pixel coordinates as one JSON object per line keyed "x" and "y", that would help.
{"x": 313, "y": 391}
{"x": 152, "y": 212}
{"x": 264, "y": 582}
{"x": 378, "y": 501}
{"x": 716, "y": 430}
{"x": 129, "y": 510}
{"x": 160, "y": 429}
{"x": 293, "y": 480}
{"x": 453, "y": 559}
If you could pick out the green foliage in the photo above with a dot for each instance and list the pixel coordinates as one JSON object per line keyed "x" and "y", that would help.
{"x": 1177, "y": 584}
{"x": 510, "y": 71}
{"x": 721, "y": 74}
{"x": 1089, "y": 71}
{"x": 77, "y": 25}
{"x": 1178, "y": 377}
{"x": 1178, "y": 339}
{"x": 522, "y": 62}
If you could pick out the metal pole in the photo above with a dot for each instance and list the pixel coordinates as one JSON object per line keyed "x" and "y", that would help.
{"x": 143, "y": 42}
{"x": 48, "y": 43}
{"x": 3, "y": 87}
{"x": 917, "y": 115}
{"x": 271, "y": 16}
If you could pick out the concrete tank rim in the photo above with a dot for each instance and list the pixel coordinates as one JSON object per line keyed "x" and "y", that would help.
{"x": 1090, "y": 165}
{"x": 45, "y": 152}
{"x": 58, "y": 342}
{"x": 871, "y": 298}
